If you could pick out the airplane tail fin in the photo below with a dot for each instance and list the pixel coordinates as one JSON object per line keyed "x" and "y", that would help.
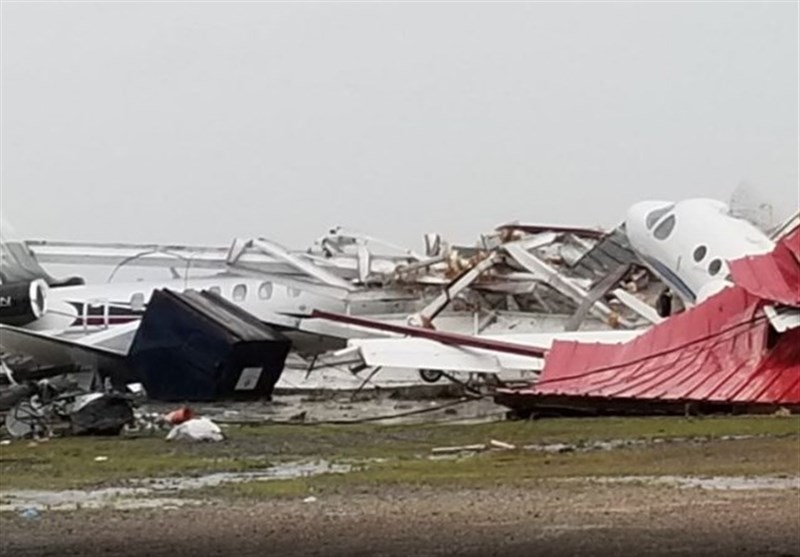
{"x": 787, "y": 227}
{"x": 750, "y": 203}
{"x": 19, "y": 264}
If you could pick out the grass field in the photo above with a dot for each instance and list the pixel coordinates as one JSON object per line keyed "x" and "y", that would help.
{"x": 400, "y": 454}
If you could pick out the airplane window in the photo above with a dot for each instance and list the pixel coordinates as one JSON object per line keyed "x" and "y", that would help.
{"x": 215, "y": 290}
{"x": 137, "y": 301}
{"x": 714, "y": 267}
{"x": 292, "y": 292}
{"x": 265, "y": 291}
{"x": 655, "y": 214}
{"x": 664, "y": 229}
{"x": 239, "y": 292}
{"x": 699, "y": 253}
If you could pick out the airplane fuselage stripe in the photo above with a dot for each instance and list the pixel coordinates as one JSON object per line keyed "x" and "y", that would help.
{"x": 672, "y": 278}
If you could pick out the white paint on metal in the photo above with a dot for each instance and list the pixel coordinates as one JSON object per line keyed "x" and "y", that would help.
{"x": 248, "y": 379}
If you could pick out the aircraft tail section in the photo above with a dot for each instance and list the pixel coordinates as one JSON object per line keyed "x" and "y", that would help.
{"x": 18, "y": 264}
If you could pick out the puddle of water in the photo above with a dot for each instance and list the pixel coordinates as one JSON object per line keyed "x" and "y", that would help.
{"x": 733, "y": 483}
{"x": 287, "y": 471}
{"x": 63, "y": 500}
{"x": 139, "y": 494}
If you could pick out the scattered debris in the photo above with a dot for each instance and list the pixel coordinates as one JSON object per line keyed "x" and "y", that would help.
{"x": 723, "y": 352}
{"x": 60, "y": 408}
{"x": 299, "y": 417}
{"x": 99, "y": 414}
{"x": 30, "y": 514}
{"x": 495, "y": 444}
{"x": 555, "y": 448}
{"x": 196, "y": 429}
{"x": 460, "y": 449}
{"x": 177, "y": 417}
{"x": 586, "y": 308}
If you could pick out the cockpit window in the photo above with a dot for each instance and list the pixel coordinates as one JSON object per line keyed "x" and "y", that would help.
{"x": 714, "y": 267}
{"x": 665, "y": 228}
{"x": 655, "y": 214}
{"x": 699, "y": 253}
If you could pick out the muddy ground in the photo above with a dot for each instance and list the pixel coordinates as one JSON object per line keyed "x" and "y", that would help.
{"x": 548, "y": 518}
{"x": 398, "y": 406}
{"x": 659, "y": 486}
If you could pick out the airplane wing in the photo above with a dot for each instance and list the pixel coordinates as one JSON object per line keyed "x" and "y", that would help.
{"x": 51, "y": 351}
{"x": 439, "y": 350}
{"x": 420, "y": 353}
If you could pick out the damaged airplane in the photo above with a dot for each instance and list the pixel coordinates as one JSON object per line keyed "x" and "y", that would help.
{"x": 504, "y": 307}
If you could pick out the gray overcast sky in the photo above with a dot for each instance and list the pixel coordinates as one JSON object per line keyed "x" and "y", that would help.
{"x": 198, "y": 122}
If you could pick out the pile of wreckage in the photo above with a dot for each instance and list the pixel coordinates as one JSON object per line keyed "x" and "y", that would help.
{"x": 553, "y": 319}
{"x": 739, "y": 350}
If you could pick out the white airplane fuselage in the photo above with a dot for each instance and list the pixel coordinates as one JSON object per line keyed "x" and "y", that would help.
{"x": 101, "y": 305}
{"x": 689, "y": 244}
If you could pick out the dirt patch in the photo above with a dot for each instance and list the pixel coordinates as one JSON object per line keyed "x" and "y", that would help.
{"x": 545, "y": 518}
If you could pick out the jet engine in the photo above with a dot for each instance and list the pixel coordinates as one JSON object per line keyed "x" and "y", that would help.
{"x": 22, "y": 302}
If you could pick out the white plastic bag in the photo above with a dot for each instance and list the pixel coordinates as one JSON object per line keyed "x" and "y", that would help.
{"x": 196, "y": 429}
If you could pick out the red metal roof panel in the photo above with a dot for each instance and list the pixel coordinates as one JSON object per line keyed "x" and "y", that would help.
{"x": 773, "y": 276}
{"x": 717, "y": 351}
{"x": 723, "y": 350}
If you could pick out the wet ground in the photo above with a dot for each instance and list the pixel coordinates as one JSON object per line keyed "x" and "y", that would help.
{"x": 391, "y": 405}
{"x": 148, "y": 493}
{"x": 544, "y": 519}
{"x": 659, "y": 486}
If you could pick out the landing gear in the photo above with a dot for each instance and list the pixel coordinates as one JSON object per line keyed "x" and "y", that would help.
{"x": 431, "y": 375}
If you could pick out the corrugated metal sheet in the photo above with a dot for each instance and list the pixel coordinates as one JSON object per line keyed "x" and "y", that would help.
{"x": 722, "y": 350}
{"x": 611, "y": 252}
{"x": 774, "y": 276}
{"x": 711, "y": 353}
{"x": 539, "y": 228}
